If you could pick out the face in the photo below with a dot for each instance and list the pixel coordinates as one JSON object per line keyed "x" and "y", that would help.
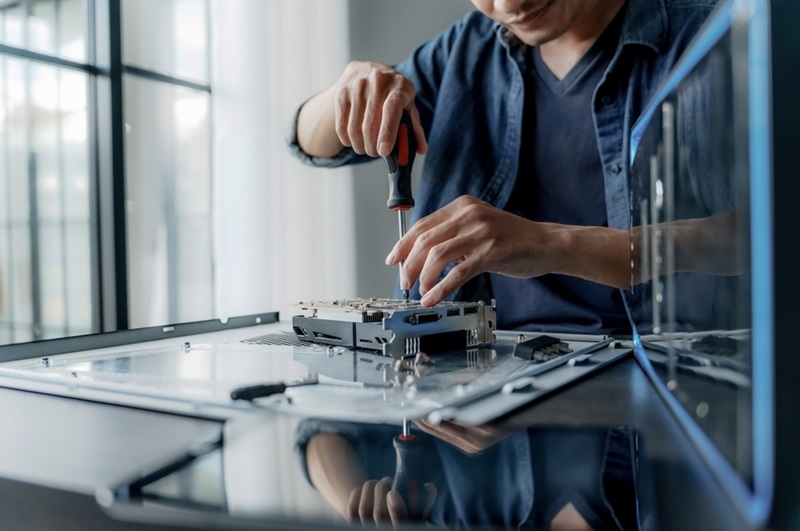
{"x": 536, "y": 22}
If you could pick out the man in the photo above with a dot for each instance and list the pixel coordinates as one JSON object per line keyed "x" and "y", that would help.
{"x": 525, "y": 109}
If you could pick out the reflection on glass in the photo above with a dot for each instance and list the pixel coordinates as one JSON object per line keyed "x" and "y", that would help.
{"x": 466, "y": 476}
{"x": 45, "y": 263}
{"x": 52, "y": 27}
{"x": 168, "y": 191}
{"x": 167, "y": 36}
{"x": 460, "y": 477}
{"x": 691, "y": 247}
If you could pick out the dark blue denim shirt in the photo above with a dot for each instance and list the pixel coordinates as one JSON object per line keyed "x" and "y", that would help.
{"x": 470, "y": 95}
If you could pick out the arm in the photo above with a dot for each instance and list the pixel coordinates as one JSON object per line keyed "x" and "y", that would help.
{"x": 705, "y": 245}
{"x": 334, "y": 469}
{"x": 481, "y": 238}
{"x": 361, "y": 110}
{"x": 336, "y": 472}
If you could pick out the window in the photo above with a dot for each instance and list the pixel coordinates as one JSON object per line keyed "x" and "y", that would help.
{"x": 105, "y": 166}
{"x": 168, "y": 163}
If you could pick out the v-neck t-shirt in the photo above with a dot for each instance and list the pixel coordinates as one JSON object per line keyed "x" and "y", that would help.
{"x": 560, "y": 180}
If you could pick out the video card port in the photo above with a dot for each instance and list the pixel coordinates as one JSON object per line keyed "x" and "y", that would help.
{"x": 321, "y": 335}
{"x": 453, "y": 312}
{"x": 470, "y": 310}
{"x": 422, "y": 318}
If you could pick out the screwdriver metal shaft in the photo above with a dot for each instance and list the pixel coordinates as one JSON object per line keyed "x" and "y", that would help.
{"x": 401, "y": 218}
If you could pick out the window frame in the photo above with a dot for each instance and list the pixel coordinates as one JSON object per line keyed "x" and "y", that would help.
{"x": 106, "y": 71}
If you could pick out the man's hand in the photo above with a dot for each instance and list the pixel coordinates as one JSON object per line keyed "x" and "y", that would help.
{"x": 481, "y": 238}
{"x": 374, "y": 503}
{"x": 361, "y": 110}
{"x": 370, "y": 99}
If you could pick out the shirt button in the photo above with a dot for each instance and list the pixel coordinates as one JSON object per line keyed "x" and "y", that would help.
{"x": 606, "y": 99}
{"x": 615, "y": 169}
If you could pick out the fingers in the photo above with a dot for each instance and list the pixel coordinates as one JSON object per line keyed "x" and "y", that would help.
{"x": 392, "y": 114}
{"x": 403, "y": 247}
{"x": 370, "y": 99}
{"x": 381, "y": 512}
{"x": 454, "y": 233}
{"x": 419, "y": 132}
{"x": 355, "y": 124}
{"x": 398, "y": 510}
{"x": 476, "y": 237}
{"x": 352, "y": 505}
{"x": 440, "y": 256}
{"x": 368, "y": 503}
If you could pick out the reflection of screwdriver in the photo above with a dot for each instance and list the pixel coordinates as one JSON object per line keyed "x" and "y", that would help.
{"x": 400, "y": 161}
{"x": 251, "y": 392}
{"x": 408, "y": 476}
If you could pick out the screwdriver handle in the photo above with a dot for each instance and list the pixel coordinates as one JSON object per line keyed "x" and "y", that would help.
{"x": 400, "y": 162}
{"x": 408, "y": 475}
{"x": 257, "y": 391}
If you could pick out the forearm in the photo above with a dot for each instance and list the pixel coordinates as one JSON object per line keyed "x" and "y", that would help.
{"x": 705, "y": 245}
{"x": 598, "y": 254}
{"x": 316, "y": 132}
{"x": 334, "y": 469}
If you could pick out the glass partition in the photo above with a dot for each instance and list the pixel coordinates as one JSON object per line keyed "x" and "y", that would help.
{"x": 698, "y": 180}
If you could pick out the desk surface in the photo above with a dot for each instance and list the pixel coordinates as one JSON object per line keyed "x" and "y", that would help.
{"x": 70, "y": 448}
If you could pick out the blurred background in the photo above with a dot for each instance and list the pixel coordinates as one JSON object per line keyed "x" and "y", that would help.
{"x": 144, "y": 175}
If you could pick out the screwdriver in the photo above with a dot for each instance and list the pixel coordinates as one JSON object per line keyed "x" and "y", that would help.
{"x": 400, "y": 161}
{"x": 251, "y": 392}
{"x": 407, "y": 477}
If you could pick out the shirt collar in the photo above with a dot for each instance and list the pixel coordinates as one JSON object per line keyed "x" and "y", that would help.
{"x": 645, "y": 23}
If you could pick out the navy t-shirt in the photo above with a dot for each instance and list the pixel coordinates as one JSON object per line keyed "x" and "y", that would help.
{"x": 560, "y": 180}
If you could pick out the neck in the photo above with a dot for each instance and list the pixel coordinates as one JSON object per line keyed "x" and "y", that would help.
{"x": 561, "y": 54}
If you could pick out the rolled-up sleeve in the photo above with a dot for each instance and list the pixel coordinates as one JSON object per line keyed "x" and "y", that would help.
{"x": 346, "y": 156}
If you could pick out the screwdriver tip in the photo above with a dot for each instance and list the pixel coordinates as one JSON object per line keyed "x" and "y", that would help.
{"x": 405, "y": 295}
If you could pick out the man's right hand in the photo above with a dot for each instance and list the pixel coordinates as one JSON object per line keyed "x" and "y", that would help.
{"x": 361, "y": 110}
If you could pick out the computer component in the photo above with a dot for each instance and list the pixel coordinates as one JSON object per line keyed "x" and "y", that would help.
{"x": 396, "y": 328}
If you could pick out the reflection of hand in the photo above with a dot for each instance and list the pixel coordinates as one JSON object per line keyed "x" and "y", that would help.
{"x": 468, "y": 439}
{"x": 374, "y": 503}
{"x": 704, "y": 245}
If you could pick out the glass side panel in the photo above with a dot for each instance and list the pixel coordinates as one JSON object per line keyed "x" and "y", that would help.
{"x": 167, "y": 36}
{"x": 168, "y": 206}
{"x": 691, "y": 248}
